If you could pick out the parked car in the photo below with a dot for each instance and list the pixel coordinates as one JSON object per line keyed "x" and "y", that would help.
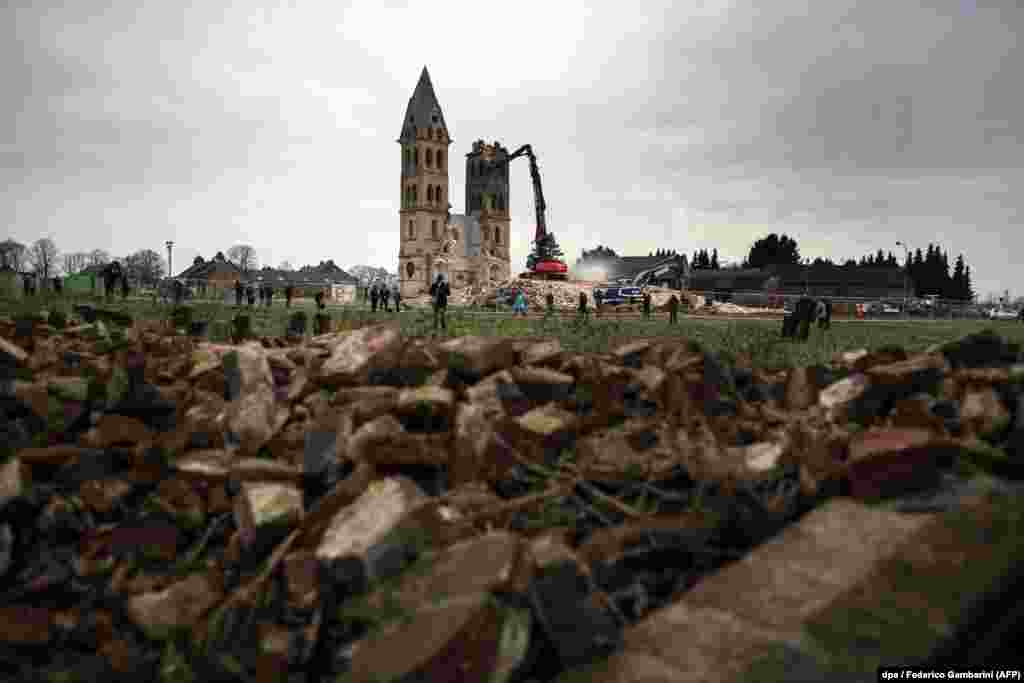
{"x": 1001, "y": 314}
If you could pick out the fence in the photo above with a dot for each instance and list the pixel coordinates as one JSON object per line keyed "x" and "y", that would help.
{"x": 875, "y": 308}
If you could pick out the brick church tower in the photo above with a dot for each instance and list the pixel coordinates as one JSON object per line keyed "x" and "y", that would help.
{"x": 424, "y": 187}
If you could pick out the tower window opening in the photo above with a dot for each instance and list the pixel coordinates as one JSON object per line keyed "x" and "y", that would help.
{"x": 487, "y": 234}
{"x": 440, "y": 160}
{"x": 430, "y": 193}
{"x": 437, "y": 193}
{"x": 433, "y": 229}
{"x": 416, "y": 156}
{"x": 430, "y": 158}
{"x": 497, "y": 235}
{"x": 412, "y": 230}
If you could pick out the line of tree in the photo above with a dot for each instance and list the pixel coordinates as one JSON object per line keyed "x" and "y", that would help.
{"x": 703, "y": 261}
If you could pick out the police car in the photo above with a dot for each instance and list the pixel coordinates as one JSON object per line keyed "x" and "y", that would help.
{"x": 613, "y": 295}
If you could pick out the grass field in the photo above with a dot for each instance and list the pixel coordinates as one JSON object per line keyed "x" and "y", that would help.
{"x": 756, "y": 340}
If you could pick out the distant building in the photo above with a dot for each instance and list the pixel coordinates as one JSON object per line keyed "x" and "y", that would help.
{"x": 211, "y": 277}
{"x": 817, "y": 280}
{"x": 335, "y": 283}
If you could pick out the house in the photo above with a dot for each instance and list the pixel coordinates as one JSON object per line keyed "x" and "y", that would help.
{"x": 211, "y": 278}
{"x": 335, "y": 283}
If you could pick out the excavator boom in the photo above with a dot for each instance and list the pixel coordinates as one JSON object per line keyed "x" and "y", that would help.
{"x": 538, "y": 191}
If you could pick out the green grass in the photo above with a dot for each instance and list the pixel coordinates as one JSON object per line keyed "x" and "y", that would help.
{"x": 758, "y": 340}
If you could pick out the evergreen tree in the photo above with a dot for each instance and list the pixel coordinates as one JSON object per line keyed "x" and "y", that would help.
{"x": 695, "y": 261}
{"x": 968, "y": 287}
{"x": 772, "y": 250}
{"x": 714, "y": 260}
{"x": 544, "y": 249}
{"x": 958, "y": 286}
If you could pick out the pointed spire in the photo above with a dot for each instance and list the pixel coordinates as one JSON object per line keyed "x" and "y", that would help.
{"x": 424, "y": 111}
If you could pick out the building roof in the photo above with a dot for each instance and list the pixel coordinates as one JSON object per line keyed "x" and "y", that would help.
{"x": 307, "y": 275}
{"x": 202, "y": 270}
{"x": 423, "y": 111}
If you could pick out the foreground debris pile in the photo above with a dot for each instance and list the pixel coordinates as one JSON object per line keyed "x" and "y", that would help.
{"x": 477, "y": 509}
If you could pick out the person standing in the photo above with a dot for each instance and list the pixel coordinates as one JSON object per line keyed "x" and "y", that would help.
{"x": 238, "y": 292}
{"x": 373, "y": 297}
{"x": 250, "y": 295}
{"x": 397, "y": 294}
{"x": 385, "y": 295}
{"x": 647, "y": 305}
{"x": 598, "y": 298}
{"x": 289, "y": 292}
{"x": 270, "y": 294}
{"x": 582, "y": 308}
{"x": 519, "y": 307}
{"x": 673, "y": 309}
{"x": 124, "y": 287}
{"x": 439, "y": 292}
{"x": 550, "y": 301}
{"x": 319, "y": 299}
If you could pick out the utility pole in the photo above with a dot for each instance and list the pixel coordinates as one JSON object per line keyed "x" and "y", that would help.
{"x": 906, "y": 275}
{"x": 170, "y": 267}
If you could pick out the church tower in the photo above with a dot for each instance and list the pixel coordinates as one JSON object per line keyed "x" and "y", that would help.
{"x": 423, "y": 188}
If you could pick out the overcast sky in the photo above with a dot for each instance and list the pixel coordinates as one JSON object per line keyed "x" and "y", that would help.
{"x": 687, "y": 125}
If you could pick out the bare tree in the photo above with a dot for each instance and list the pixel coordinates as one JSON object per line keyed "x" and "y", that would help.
{"x": 43, "y": 255}
{"x": 13, "y": 255}
{"x": 243, "y": 256}
{"x": 76, "y": 262}
{"x": 98, "y": 257}
{"x": 145, "y": 267}
{"x": 285, "y": 265}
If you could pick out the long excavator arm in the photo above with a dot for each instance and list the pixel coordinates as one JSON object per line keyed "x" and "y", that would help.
{"x": 538, "y": 192}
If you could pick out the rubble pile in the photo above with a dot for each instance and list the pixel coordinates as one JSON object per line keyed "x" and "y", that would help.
{"x": 567, "y": 294}
{"x": 476, "y": 509}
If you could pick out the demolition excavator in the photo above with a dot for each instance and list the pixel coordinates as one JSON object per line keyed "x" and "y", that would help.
{"x": 548, "y": 269}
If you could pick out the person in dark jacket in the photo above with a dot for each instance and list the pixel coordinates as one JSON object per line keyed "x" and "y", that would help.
{"x": 647, "y": 305}
{"x": 319, "y": 299}
{"x": 269, "y": 295}
{"x": 124, "y": 287}
{"x": 439, "y": 292}
{"x": 58, "y": 285}
{"x": 250, "y": 295}
{"x": 374, "y": 296}
{"x": 550, "y": 301}
{"x": 673, "y": 310}
{"x": 111, "y": 274}
{"x": 396, "y": 293}
{"x": 289, "y": 292}
{"x": 239, "y": 290}
{"x": 179, "y": 292}
{"x": 582, "y": 308}
{"x": 805, "y": 313}
{"x": 385, "y": 296}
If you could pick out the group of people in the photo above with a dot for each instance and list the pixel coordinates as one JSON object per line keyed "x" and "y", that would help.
{"x": 264, "y": 292}
{"x": 382, "y": 295}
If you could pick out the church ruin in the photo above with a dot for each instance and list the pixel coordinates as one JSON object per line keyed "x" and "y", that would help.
{"x": 467, "y": 248}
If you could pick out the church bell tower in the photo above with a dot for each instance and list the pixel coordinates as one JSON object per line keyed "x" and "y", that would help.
{"x": 423, "y": 188}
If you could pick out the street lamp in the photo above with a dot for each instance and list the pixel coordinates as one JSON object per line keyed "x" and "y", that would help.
{"x": 170, "y": 268}
{"x": 906, "y": 275}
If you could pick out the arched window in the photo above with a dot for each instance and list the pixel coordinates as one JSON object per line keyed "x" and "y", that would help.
{"x": 455, "y": 233}
{"x": 433, "y": 229}
{"x": 440, "y": 160}
{"x": 410, "y": 269}
{"x": 416, "y": 156}
{"x": 430, "y": 193}
{"x": 413, "y": 194}
{"x": 497, "y": 235}
{"x": 430, "y": 158}
{"x": 487, "y": 234}
{"x": 437, "y": 194}
{"x": 412, "y": 230}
